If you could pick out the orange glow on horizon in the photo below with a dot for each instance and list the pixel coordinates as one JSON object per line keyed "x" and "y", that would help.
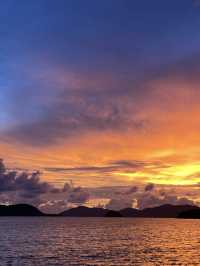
{"x": 167, "y": 145}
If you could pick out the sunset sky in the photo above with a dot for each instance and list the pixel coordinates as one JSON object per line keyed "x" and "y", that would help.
{"x": 103, "y": 99}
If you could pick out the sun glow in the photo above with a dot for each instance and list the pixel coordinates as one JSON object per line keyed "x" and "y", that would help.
{"x": 185, "y": 174}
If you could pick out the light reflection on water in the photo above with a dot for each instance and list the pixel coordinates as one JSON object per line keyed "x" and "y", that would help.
{"x": 98, "y": 241}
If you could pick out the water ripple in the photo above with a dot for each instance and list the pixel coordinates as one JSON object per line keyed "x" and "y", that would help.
{"x": 98, "y": 242}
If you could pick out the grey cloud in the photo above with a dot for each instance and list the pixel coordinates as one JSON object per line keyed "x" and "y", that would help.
{"x": 132, "y": 190}
{"x": 18, "y": 186}
{"x": 149, "y": 200}
{"x": 66, "y": 187}
{"x": 27, "y": 184}
{"x": 118, "y": 204}
{"x": 104, "y": 105}
{"x": 129, "y": 163}
{"x": 27, "y": 187}
{"x": 110, "y": 167}
{"x": 127, "y": 191}
{"x": 71, "y": 197}
{"x": 149, "y": 187}
{"x": 76, "y": 111}
{"x": 54, "y": 206}
{"x": 78, "y": 196}
{"x": 2, "y": 167}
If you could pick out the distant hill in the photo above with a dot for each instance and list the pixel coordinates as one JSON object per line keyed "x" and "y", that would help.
{"x": 163, "y": 211}
{"x": 166, "y": 211}
{"x": 130, "y": 212}
{"x": 113, "y": 214}
{"x": 19, "y": 210}
{"x": 83, "y": 211}
{"x": 191, "y": 214}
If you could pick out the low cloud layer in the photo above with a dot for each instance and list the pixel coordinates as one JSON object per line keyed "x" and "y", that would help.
{"x": 118, "y": 204}
{"x": 24, "y": 187}
{"x": 28, "y": 185}
{"x": 148, "y": 196}
{"x": 150, "y": 200}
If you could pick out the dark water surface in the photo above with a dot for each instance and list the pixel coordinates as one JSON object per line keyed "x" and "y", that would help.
{"x": 99, "y": 241}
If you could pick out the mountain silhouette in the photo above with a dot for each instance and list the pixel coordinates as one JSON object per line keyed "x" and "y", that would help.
{"x": 191, "y": 214}
{"x": 19, "y": 210}
{"x": 130, "y": 212}
{"x": 113, "y": 214}
{"x": 83, "y": 211}
{"x": 163, "y": 211}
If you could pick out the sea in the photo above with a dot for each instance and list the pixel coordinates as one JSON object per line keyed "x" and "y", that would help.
{"x": 51, "y": 241}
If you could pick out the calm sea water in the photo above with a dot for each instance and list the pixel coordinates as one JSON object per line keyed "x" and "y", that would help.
{"x": 99, "y": 241}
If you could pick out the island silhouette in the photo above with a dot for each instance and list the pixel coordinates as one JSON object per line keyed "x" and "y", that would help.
{"x": 20, "y": 210}
{"x": 190, "y": 214}
{"x": 163, "y": 211}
